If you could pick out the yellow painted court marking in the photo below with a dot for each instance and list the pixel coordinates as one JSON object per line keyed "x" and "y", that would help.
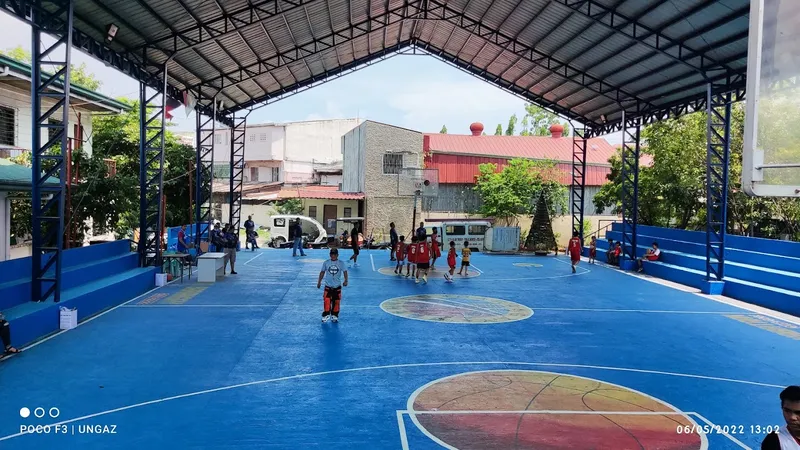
{"x": 184, "y": 295}
{"x": 152, "y": 299}
{"x": 778, "y": 327}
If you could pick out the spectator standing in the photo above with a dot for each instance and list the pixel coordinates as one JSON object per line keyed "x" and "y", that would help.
{"x": 393, "y": 242}
{"x": 297, "y": 230}
{"x": 230, "y": 248}
{"x": 250, "y": 232}
{"x": 5, "y": 336}
{"x": 354, "y": 245}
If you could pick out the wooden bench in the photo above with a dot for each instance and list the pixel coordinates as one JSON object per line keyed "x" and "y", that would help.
{"x": 210, "y": 266}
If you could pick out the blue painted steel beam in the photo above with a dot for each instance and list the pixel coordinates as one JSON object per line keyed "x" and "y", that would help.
{"x": 237, "y": 171}
{"x": 718, "y": 133}
{"x": 204, "y": 172}
{"x": 152, "y": 109}
{"x": 631, "y": 135}
{"x": 578, "y": 179}
{"x": 49, "y": 151}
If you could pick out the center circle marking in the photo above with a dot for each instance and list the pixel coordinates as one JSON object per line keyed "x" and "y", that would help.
{"x": 525, "y": 409}
{"x": 452, "y": 308}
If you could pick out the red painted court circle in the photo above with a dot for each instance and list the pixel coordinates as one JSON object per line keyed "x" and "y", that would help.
{"x": 520, "y": 409}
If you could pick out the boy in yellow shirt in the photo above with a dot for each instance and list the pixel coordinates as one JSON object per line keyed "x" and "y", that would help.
{"x": 465, "y": 252}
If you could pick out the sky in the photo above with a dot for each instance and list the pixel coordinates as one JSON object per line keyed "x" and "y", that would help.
{"x": 416, "y": 92}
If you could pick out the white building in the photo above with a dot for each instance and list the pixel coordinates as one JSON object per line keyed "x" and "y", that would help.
{"x": 293, "y": 152}
{"x": 15, "y": 137}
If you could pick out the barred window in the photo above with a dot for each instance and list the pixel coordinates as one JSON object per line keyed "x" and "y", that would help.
{"x": 392, "y": 163}
{"x": 7, "y": 120}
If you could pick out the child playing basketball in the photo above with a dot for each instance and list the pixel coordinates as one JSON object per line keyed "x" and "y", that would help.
{"x": 592, "y": 250}
{"x": 574, "y": 250}
{"x": 400, "y": 254}
{"x": 411, "y": 267}
{"x": 451, "y": 261}
{"x": 465, "y": 252}
{"x": 423, "y": 260}
{"x": 332, "y": 271}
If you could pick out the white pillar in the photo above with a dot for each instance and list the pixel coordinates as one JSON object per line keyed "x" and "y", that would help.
{"x": 5, "y": 226}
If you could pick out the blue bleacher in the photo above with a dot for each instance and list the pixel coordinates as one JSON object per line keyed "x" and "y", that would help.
{"x": 94, "y": 278}
{"x": 763, "y": 272}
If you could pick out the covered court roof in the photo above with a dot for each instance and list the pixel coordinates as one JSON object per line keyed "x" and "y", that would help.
{"x": 587, "y": 60}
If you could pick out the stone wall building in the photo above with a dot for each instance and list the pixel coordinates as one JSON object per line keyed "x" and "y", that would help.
{"x": 374, "y": 156}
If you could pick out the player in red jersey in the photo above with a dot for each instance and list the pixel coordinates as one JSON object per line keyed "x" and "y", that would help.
{"x": 574, "y": 250}
{"x": 435, "y": 252}
{"x": 423, "y": 260}
{"x": 411, "y": 267}
{"x": 451, "y": 261}
{"x": 400, "y": 254}
{"x": 593, "y": 250}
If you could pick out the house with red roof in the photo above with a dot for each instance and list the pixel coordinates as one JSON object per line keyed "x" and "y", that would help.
{"x": 457, "y": 158}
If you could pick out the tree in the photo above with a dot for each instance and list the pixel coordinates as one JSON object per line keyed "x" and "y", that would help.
{"x": 499, "y": 130}
{"x": 539, "y": 121}
{"x": 290, "y": 206}
{"x": 540, "y": 237}
{"x": 512, "y": 123}
{"x": 509, "y": 192}
{"x": 78, "y": 75}
{"x": 443, "y": 130}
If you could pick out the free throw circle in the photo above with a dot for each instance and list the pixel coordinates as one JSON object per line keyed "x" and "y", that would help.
{"x": 522, "y": 409}
{"x": 527, "y": 265}
{"x": 452, "y": 308}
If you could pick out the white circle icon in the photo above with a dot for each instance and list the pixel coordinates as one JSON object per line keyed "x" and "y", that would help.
{"x": 56, "y": 413}
{"x": 24, "y": 413}
{"x": 38, "y": 412}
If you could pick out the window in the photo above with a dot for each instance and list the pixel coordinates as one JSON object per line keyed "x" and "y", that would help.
{"x": 477, "y": 229}
{"x": 348, "y": 212}
{"x": 392, "y": 163}
{"x": 263, "y": 137}
{"x": 276, "y": 173}
{"x": 312, "y": 212}
{"x": 254, "y": 174}
{"x": 7, "y": 122}
{"x": 455, "y": 230}
{"x": 279, "y": 222}
{"x": 222, "y": 171}
{"x": 252, "y": 138}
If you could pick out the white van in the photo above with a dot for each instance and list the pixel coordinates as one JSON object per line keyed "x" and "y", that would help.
{"x": 472, "y": 231}
{"x": 279, "y": 227}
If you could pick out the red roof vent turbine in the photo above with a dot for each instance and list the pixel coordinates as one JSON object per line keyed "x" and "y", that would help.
{"x": 556, "y": 130}
{"x": 476, "y": 128}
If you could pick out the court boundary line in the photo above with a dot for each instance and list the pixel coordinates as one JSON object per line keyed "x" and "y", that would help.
{"x": 400, "y": 366}
{"x": 254, "y": 257}
{"x": 373, "y": 262}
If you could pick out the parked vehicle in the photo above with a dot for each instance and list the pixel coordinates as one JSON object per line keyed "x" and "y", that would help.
{"x": 472, "y": 231}
{"x": 282, "y": 235}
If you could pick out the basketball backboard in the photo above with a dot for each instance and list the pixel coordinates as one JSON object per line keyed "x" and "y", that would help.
{"x": 414, "y": 181}
{"x": 771, "y": 154}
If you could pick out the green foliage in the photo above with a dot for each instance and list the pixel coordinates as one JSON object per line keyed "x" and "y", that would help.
{"x": 79, "y": 75}
{"x": 508, "y": 193}
{"x": 290, "y": 206}
{"x": 499, "y": 130}
{"x": 443, "y": 130}
{"x": 512, "y": 123}
{"x": 672, "y": 189}
{"x": 537, "y": 121}
{"x": 587, "y": 229}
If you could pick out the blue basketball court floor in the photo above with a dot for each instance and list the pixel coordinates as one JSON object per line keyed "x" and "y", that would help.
{"x": 521, "y": 355}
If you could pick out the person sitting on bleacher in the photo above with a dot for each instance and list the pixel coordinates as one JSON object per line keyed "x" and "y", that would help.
{"x": 616, "y": 254}
{"x": 651, "y": 255}
{"x": 610, "y": 251}
{"x": 5, "y": 336}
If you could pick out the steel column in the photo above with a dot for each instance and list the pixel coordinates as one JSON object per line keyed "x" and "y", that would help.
{"x": 49, "y": 153}
{"x": 578, "y": 179}
{"x": 204, "y": 172}
{"x": 237, "y": 171}
{"x": 631, "y": 135}
{"x": 718, "y": 134}
{"x": 152, "y": 110}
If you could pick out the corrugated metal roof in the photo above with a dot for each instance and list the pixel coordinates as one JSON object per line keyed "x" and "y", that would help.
{"x": 461, "y": 169}
{"x": 319, "y": 192}
{"x": 598, "y": 150}
{"x": 582, "y": 59}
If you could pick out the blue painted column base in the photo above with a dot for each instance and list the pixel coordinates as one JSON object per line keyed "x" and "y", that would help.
{"x": 627, "y": 264}
{"x": 712, "y": 287}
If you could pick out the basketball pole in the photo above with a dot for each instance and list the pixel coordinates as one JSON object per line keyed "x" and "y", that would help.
{"x": 414, "y": 216}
